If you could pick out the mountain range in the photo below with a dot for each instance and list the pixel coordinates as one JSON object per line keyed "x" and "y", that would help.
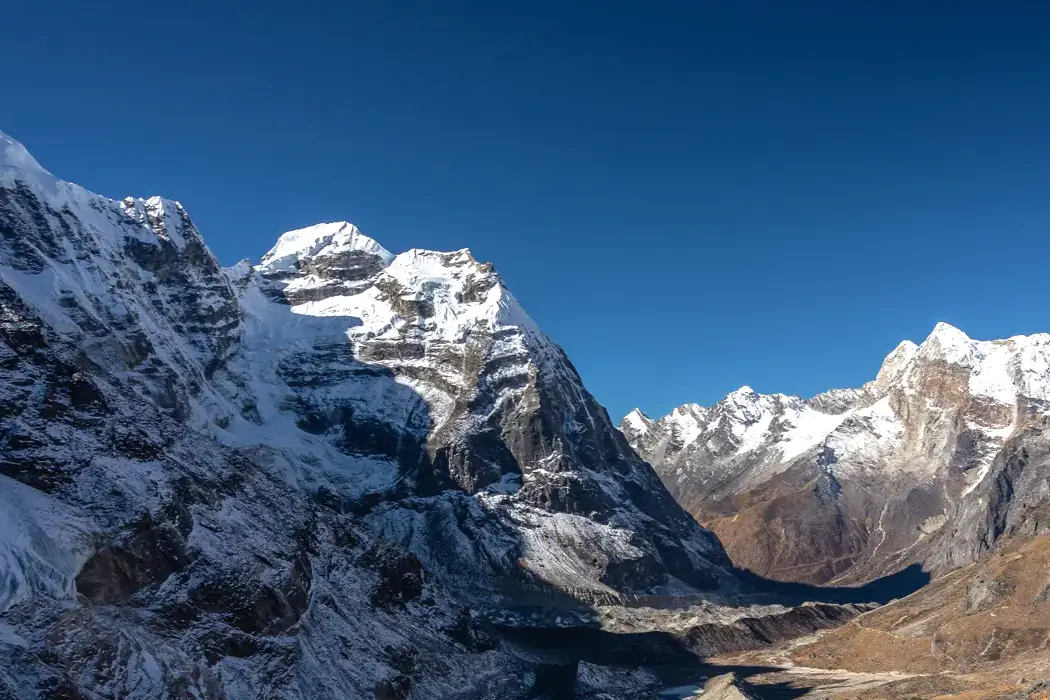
{"x": 333, "y": 473}
{"x": 928, "y": 463}
{"x": 340, "y": 472}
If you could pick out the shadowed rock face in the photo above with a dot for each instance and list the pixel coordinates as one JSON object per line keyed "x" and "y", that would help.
{"x": 727, "y": 687}
{"x": 915, "y": 466}
{"x": 146, "y": 555}
{"x": 322, "y": 476}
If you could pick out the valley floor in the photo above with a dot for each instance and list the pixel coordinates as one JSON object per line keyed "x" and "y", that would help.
{"x": 770, "y": 675}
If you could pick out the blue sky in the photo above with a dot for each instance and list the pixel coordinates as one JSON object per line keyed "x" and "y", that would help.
{"x": 688, "y": 196}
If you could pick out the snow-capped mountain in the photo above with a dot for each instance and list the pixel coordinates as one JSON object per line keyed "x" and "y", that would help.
{"x": 312, "y": 477}
{"x": 857, "y": 483}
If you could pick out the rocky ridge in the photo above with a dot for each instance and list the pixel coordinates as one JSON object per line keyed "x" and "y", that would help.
{"x": 922, "y": 465}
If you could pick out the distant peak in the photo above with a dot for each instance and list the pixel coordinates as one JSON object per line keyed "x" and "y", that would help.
{"x": 239, "y": 270}
{"x": 319, "y": 240}
{"x": 14, "y": 156}
{"x": 637, "y": 421}
{"x": 638, "y": 414}
{"x": 946, "y": 337}
{"x": 949, "y": 344}
{"x": 945, "y": 332}
{"x": 895, "y": 362}
{"x": 904, "y": 351}
{"x": 744, "y": 393}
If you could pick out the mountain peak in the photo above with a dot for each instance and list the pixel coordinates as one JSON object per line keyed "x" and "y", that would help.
{"x": 903, "y": 349}
{"x": 14, "y": 156}
{"x": 320, "y": 240}
{"x": 637, "y": 421}
{"x": 744, "y": 394}
{"x": 451, "y": 441}
{"x": 947, "y": 333}
{"x": 895, "y": 362}
{"x": 948, "y": 343}
{"x": 163, "y": 216}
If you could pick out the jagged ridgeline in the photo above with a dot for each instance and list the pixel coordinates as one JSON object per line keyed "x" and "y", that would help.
{"x": 307, "y": 478}
{"x": 930, "y": 463}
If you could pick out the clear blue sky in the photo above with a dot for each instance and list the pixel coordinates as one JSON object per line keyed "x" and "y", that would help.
{"x": 688, "y": 196}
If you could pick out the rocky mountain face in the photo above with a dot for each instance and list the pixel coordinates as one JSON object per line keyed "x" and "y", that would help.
{"x": 978, "y": 632}
{"x": 322, "y": 476}
{"x": 929, "y": 463}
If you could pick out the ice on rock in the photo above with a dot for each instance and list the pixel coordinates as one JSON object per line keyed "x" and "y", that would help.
{"x": 164, "y": 217}
{"x": 37, "y": 555}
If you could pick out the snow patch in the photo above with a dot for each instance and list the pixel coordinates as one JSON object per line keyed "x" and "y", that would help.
{"x": 687, "y": 422}
{"x": 37, "y": 551}
{"x": 751, "y": 436}
{"x": 809, "y": 428}
{"x": 318, "y": 241}
{"x": 14, "y": 156}
{"x": 991, "y": 374}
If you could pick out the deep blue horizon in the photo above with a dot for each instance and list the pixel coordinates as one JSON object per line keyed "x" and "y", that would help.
{"x": 687, "y": 198}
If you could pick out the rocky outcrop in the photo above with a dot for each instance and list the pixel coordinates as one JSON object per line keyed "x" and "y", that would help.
{"x": 726, "y": 687}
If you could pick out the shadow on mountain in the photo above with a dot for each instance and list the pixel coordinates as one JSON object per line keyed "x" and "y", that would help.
{"x": 430, "y": 532}
{"x": 558, "y": 653}
{"x": 880, "y": 591}
{"x": 431, "y": 535}
{"x": 688, "y": 687}
{"x": 680, "y": 658}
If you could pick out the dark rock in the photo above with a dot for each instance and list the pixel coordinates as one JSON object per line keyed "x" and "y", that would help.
{"x": 400, "y": 575}
{"x": 146, "y": 555}
{"x": 554, "y": 682}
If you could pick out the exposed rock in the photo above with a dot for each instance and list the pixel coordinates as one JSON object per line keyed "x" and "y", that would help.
{"x": 726, "y": 687}
{"x": 925, "y": 464}
{"x": 400, "y": 575}
{"x": 148, "y": 554}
